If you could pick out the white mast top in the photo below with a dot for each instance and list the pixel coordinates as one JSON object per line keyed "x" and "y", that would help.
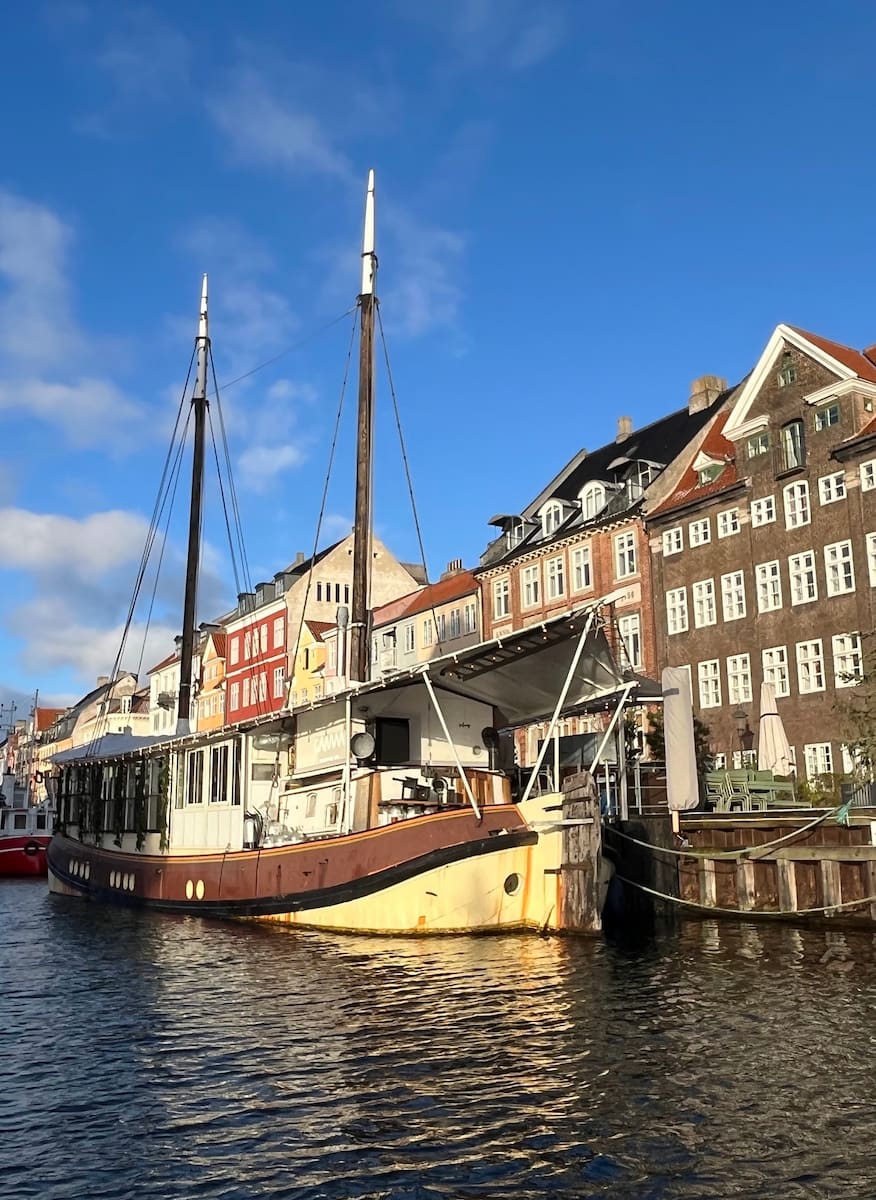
{"x": 202, "y": 324}
{"x": 369, "y": 258}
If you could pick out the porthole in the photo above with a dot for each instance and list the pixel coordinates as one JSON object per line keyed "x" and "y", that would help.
{"x": 130, "y": 883}
{"x": 87, "y": 871}
{"x": 190, "y": 889}
{"x": 70, "y": 866}
{"x": 512, "y": 884}
{"x": 199, "y": 889}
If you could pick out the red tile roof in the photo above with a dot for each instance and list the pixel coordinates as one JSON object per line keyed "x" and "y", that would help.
{"x": 44, "y": 717}
{"x": 165, "y": 662}
{"x": 688, "y": 488}
{"x": 218, "y": 644}
{"x": 855, "y": 360}
{"x": 318, "y": 628}
{"x": 463, "y": 583}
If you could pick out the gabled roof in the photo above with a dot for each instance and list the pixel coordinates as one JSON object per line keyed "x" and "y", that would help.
{"x": 218, "y": 640}
{"x": 44, "y": 717}
{"x": 463, "y": 583}
{"x": 715, "y": 448}
{"x": 165, "y": 662}
{"x": 858, "y": 361}
{"x": 319, "y": 628}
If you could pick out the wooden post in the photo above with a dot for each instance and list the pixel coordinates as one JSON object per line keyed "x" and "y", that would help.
{"x": 580, "y": 892}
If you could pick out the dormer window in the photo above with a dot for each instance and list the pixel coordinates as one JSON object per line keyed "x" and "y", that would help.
{"x": 551, "y": 517}
{"x": 592, "y": 500}
{"x": 787, "y": 371}
{"x": 514, "y": 533}
{"x": 709, "y": 473}
{"x": 638, "y": 479}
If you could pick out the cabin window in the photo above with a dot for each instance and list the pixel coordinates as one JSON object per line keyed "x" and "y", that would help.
{"x": 195, "y": 780}
{"x": 20, "y": 821}
{"x": 331, "y": 815}
{"x": 218, "y": 774}
{"x": 262, "y": 772}
{"x": 310, "y": 806}
{"x": 392, "y": 737}
{"x": 235, "y": 774}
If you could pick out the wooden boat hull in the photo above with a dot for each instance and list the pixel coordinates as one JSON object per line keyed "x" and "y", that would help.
{"x": 443, "y": 873}
{"x": 23, "y": 854}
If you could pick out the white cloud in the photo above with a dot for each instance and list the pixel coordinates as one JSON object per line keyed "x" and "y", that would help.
{"x": 46, "y": 543}
{"x": 275, "y": 445}
{"x": 88, "y": 412}
{"x": 145, "y": 58}
{"x": 507, "y": 34}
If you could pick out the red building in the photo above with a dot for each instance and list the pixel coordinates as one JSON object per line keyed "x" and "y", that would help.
{"x": 255, "y": 666}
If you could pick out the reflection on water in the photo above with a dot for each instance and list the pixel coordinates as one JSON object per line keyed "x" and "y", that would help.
{"x": 166, "y": 1057}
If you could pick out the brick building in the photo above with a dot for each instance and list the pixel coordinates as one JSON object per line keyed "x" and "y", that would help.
{"x": 764, "y": 552}
{"x": 583, "y": 537}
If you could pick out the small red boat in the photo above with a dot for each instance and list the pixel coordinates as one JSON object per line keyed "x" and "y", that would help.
{"x": 25, "y": 833}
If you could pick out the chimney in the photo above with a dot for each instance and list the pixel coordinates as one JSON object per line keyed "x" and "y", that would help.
{"x": 624, "y": 428}
{"x": 102, "y": 680}
{"x": 299, "y": 559}
{"x": 453, "y": 568}
{"x": 704, "y": 392}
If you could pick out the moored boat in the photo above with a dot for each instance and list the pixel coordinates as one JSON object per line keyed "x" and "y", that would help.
{"x": 387, "y": 807}
{"x": 25, "y": 831}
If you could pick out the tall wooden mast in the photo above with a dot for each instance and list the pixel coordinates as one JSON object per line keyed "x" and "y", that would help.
{"x": 362, "y": 529}
{"x": 199, "y": 405}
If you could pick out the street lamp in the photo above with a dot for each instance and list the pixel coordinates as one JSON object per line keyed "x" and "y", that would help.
{"x": 746, "y": 734}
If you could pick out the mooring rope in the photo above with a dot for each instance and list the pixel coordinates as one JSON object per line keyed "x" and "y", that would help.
{"x": 748, "y": 912}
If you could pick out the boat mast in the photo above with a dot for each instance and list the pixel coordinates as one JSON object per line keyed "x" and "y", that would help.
{"x": 362, "y": 528}
{"x": 199, "y": 404}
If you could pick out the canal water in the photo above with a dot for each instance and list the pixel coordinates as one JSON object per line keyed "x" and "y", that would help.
{"x": 148, "y": 1056}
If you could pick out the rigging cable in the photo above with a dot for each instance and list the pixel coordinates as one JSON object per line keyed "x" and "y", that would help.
{"x": 404, "y": 455}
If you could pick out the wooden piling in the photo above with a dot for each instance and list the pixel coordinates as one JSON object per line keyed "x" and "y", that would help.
{"x": 580, "y": 891}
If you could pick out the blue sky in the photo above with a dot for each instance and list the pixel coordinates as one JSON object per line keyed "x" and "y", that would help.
{"x": 581, "y": 207}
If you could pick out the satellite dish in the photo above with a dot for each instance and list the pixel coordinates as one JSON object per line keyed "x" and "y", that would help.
{"x": 362, "y": 745}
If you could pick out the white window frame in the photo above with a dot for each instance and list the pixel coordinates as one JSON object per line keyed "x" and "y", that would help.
{"x": 455, "y": 622}
{"x": 278, "y": 632}
{"x": 757, "y": 444}
{"x": 279, "y": 682}
{"x": 428, "y": 632}
{"x": 501, "y": 599}
{"x": 709, "y": 680}
{"x": 818, "y": 759}
{"x": 530, "y": 586}
{"x": 768, "y": 585}
{"x": 822, "y": 416}
{"x": 733, "y": 596}
{"x": 555, "y": 577}
{"x": 704, "y": 603}
{"x": 739, "y": 690}
{"x": 810, "y": 667}
{"x": 625, "y": 563}
{"x": 234, "y": 651}
{"x": 839, "y": 568}
{"x": 551, "y": 517}
{"x": 676, "y": 611}
{"x": 774, "y": 662}
{"x": 868, "y": 475}
{"x": 871, "y": 558}
{"x": 234, "y": 697}
{"x": 469, "y": 617}
{"x": 699, "y": 533}
{"x": 728, "y": 522}
{"x": 410, "y": 637}
{"x": 763, "y": 511}
{"x": 801, "y": 568}
{"x": 798, "y": 510}
{"x": 848, "y": 658}
{"x": 592, "y": 498}
{"x": 582, "y": 568}
{"x": 832, "y": 488}
{"x": 630, "y": 629}
{"x": 673, "y": 541}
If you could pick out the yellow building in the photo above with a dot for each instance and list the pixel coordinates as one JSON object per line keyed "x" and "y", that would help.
{"x": 211, "y": 694}
{"x": 308, "y": 684}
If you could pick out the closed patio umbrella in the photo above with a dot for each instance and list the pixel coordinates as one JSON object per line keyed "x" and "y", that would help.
{"x": 773, "y": 750}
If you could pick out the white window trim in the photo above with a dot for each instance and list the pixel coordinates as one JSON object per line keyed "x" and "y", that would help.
{"x": 805, "y": 599}
{"x": 775, "y": 577}
{"x": 827, "y": 490}
{"x": 783, "y": 662}
{"x": 801, "y": 662}
{"x": 729, "y": 591}
{"x": 756, "y": 519}
{"x": 728, "y": 517}
{"x": 682, "y": 608}
{"x": 702, "y": 526}
{"x": 848, "y": 587}
{"x": 710, "y": 591}
{"x": 673, "y": 541}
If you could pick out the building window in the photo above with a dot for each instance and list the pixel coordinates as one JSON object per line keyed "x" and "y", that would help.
{"x": 501, "y": 598}
{"x": 832, "y": 487}
{"x": 793, "y": 448}
{"x": 827, "y": 416}
{"x": 529, "y": 587}
{"x": 429, "y": 631}
{"x": 234, "y": 699}
{"x": 279, "y": 682}
{"x": 673, "y": 541}
{"x": 709, "y": 676}
{"x": 247, "y": 644}
{"x": 801, "y": 570}
{"x": 796, "y": 504}
{"x": 455, "y": 622}
{"x": 733, "y": 596}
{"x": 728, "y": 522}
{"x": 739, "y": 679}
{"x": 551, "y": 518}
{"x": 592, "y": 500}
{"x": 638, "y": 480}
{"x": 514, "y": 534}
{"x": 676, "y": 610}
{"x": 630, "y": 629}
{"x": 699, "y": 532}
{"x": 838, "y": 568}
{"x": 410, "y": 638}
{"x": 768, "y": 581}
{"x": 625, "y": 555}
{"x": 555, "y": 578}
{"x": 848, "y": 659}
{"x": 319, "y": 591}
{"x": 787, "y": 371}
{"x": 868, "y": 475}
{"x": 278, "y": 632}
{"x": 246, "y": 692}
{"x": 709, "y": 473}
{"x": 235, "y": 651}
{"x": 719, "y": 762}
{"x": 775, "y": 669}
{"x": 263, "y": 639}
{"x": 581, "y": 577}
{"x": 763, "y": 512}
{"x": 469, "y": 618}
{"x": 263, "y": 686}
{"x": 871, "y": 558}
{"x": 704, "y": 603}
{"x": 441, "y": 620}
{"x": 757, "y": 444}
{"x": 818, "y": 759}
{"x": 810, "y": 667}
